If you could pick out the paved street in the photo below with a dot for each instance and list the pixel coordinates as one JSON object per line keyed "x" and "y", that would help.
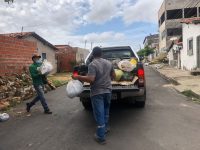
{"x": 169, "y": 122}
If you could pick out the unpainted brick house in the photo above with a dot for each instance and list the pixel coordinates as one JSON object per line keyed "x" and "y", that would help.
{"x": 43, "y": 47}
{"x": 15, "y": 54}
{"x": 68, "y": 57}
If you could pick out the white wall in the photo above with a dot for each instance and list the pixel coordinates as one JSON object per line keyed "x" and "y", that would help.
{"x": 171, "y": 56}
{"x": 81, "y": 54}
{"x": 189, "y": 31}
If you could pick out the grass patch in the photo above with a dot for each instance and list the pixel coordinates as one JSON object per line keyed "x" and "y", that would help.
{"x": 60, "y": 79}
{"x": 193, "y": 96}
{"x": 58, "y": 83}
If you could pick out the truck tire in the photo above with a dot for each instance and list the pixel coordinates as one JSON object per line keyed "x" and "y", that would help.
{"x": 140, "y": 101}
{"x": 139, "y": 104}
{"x": 86, "y": 104}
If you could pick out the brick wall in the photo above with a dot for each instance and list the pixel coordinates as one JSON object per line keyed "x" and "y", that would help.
{"x": 15, "y": 54}
{"x": 65, "y": 56}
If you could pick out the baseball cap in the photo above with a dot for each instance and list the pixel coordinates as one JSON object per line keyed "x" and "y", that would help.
{"x": 36, "y": 56}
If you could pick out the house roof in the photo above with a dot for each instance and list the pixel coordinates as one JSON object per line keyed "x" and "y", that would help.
{"x": 153, "y": 38}
{"x": 26, "y": 34}
{"x": 64, "y": 48}
{"x": 195, "y": 20}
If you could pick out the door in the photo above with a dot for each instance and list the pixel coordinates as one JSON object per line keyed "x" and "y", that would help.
{"x": 198, "y": 52}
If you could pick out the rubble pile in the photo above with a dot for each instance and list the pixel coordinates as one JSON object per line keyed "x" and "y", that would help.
{"x": 17, "y": 88}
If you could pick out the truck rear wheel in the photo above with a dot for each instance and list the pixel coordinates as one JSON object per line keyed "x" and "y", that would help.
{"x": 140, "y": 101}
{"x": 86, "y": 104}
{"x": 139, "y": 104}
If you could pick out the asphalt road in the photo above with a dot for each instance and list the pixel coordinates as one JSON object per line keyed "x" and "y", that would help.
{"x": 169, "y": 122}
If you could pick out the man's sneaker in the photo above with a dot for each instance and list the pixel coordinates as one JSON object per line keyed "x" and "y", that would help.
{"x": 47, "y": 112}
{"x": 98, "y": 140}
{"x": 28, "y": 108}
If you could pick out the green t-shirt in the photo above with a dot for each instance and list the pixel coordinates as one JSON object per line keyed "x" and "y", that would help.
{"x": 36, "y": 76}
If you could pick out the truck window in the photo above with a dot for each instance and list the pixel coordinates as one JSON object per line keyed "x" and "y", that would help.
{"x": 114, "y": 54}
{"x": 111, "y": 54}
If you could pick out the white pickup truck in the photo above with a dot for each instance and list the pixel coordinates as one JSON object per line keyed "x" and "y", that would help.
{"x": 134, "y": 92}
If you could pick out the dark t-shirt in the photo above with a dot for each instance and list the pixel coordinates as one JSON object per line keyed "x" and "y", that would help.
{"x": 102, "y": 70}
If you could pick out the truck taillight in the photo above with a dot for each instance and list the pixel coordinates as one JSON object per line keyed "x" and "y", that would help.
{"x": 75, "y": 73}
{"x": 141, "y": 77}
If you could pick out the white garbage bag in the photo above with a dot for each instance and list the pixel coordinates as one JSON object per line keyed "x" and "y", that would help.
{"x": 4, "y": 117}
{"x": 74, "y": 88}
{"x": 126, "y": 65}
{"x": 46, "y": 67}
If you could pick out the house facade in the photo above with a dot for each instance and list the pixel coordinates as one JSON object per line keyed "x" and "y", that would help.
{"x": 174, "y": 54}
{"x": 170, "y": 14}
{"x": 15, "y": 55}
{"x": 66, "y": 57}
{"x": 152, "y": 41}
{"x": 81, "y": 54}
{"x": 44, "y": 48}
{"x": 190, "y": 55}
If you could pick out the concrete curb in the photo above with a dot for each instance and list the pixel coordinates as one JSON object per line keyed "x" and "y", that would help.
{"x": 174, "y": 82}
{"x": 171, "y": 80}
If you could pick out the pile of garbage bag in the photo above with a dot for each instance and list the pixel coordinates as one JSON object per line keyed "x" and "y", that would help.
{"x": 124, "y": 69}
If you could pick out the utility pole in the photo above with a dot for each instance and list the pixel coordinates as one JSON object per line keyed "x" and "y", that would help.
{"x": 22, "y": 29}
{"x": 85, "y": 43}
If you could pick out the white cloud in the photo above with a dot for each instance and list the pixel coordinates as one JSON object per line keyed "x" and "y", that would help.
{"x": 141, "y": 11}
{"x": 97, "y": 39}
{"x": 56, "y": 20}
{"x": 41, "y": 16}
{"x": 101, "y": 11}
{"x": 104, "y": 37}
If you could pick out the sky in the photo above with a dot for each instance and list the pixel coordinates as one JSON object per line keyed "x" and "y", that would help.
{"x": 83, "y": 23}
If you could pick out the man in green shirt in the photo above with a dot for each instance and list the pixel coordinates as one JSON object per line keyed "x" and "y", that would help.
{"x": 38, "y": 85}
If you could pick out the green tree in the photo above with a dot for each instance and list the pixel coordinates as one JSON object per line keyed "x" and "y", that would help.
{"x": 145, "y": 51}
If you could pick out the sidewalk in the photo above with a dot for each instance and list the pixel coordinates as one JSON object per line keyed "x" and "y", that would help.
{"x": 182, "y": 80}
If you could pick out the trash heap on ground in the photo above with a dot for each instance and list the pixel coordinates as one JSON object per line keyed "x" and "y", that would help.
{"x": 16, "y": 88}
{"x": 125, "y": 71}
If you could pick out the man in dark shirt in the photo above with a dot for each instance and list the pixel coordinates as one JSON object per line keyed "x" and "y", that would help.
{"x": 100, "y": 74}
{"x": 38, "y": 85}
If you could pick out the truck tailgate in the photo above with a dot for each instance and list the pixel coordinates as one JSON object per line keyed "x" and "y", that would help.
{"x": 118, "y": 88}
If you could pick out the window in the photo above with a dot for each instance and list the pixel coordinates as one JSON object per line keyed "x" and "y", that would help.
{"x": 174, "y": 31}
{"x": 190, "y": 47}
{"x": 190, "y": 12}
{"x": 44, "y": 56}
{"x": 174, "y": 14}
{"x": 199, "y": 12}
